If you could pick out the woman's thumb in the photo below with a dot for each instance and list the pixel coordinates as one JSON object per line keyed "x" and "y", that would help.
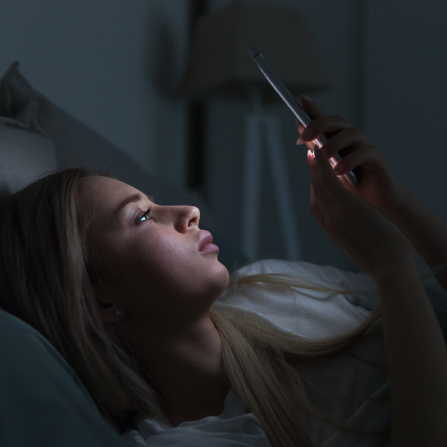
{"x": 317, "y": 157}
{"x": 322, "y": 162}
{"x": 326, "y": 173}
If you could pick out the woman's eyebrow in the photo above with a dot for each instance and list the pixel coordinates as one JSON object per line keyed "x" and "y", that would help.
{"x": 133, "y": 198}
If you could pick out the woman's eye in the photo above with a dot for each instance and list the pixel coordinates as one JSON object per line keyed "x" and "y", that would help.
{"x": 145, "y": 216}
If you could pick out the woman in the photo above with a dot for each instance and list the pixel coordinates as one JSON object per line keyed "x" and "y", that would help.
{"x": 119, "y": 286}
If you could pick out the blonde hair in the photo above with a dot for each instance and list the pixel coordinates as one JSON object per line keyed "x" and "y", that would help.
{"x": 45, "y": 279}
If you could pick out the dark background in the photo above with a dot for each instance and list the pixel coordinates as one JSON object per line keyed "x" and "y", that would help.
{"x": 116, "y": 65}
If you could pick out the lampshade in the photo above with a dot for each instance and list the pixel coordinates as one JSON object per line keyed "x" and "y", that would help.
{"x": 219, "y": 65}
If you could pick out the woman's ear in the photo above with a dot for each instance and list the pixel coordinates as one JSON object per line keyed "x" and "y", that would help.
{"x": 111, "y": 312}
{"x": 108, "y": 311}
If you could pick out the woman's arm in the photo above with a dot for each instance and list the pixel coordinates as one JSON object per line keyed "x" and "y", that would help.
{"x": 425, "y": 230}
{"x": 414, "y": 343}
{"x": 417, "y": 358}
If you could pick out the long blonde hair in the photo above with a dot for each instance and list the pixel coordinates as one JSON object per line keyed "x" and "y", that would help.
{"x": 45, "y": 279}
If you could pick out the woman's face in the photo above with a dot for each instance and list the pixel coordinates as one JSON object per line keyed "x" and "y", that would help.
{"x": 149, "y": 266}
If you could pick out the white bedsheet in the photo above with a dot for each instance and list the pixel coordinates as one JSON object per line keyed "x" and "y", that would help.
{"x": 314, "y": 315}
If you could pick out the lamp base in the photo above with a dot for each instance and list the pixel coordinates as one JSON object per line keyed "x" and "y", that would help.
{"x": 255, "y": 124}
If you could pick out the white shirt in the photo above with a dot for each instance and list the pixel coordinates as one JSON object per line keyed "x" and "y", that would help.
{"x": 236, "y": 426}
{"x": 313, "y": 315}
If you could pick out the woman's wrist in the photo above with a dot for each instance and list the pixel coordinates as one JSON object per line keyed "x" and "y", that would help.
{"x": 408, "y": 198}
{"x": 394, "y": 265}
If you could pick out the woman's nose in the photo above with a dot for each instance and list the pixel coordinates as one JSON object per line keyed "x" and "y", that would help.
{"x": 193, "y": 216}
{"x": 188, "y": 216}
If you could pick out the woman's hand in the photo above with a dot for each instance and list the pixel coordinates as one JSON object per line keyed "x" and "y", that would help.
{"x": 367, "y": 238}
{"x": 377, "y": 184}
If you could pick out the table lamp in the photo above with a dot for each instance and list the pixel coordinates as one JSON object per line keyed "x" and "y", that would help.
{"x": 219, "y": 67}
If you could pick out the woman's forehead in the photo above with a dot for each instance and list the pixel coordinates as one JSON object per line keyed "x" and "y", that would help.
{"x": 103, "y": 193}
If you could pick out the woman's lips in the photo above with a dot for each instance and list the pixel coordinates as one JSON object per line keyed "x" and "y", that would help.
{"x": 209, "y": 248}
{"x": 205, "y": 244}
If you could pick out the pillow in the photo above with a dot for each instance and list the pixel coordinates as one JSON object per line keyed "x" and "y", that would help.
{"x": 78, "y": 145}
{"x": 25, "y": 152}
{"x": 44, "y": 402}
{"x": 46, "y": 137}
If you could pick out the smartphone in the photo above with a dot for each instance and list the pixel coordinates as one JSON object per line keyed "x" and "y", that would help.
{"x": 295, "y": 107}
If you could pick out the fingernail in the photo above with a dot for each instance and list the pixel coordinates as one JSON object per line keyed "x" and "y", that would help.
{"x": 305, "y": 136}
{"x": 308, "y": 98}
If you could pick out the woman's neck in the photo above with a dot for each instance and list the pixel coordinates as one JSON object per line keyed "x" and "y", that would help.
{"x": 184, "y": 368}
{"x": 188, "y": 411}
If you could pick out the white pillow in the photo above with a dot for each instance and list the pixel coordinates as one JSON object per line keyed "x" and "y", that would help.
{"x": 26, "y": 154}
{"x": 307, "y": 313}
